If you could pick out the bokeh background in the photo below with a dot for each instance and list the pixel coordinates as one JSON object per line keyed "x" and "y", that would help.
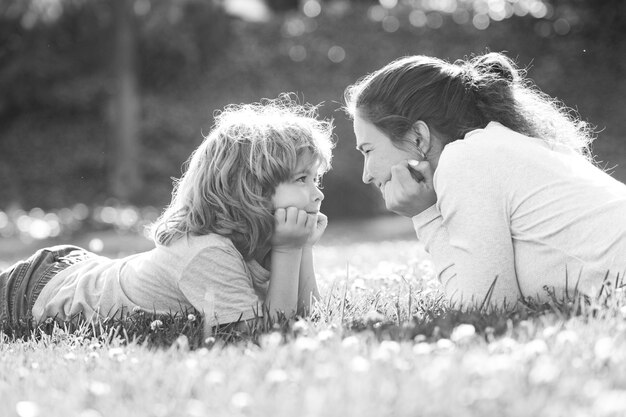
{"x": 102, "y": 101}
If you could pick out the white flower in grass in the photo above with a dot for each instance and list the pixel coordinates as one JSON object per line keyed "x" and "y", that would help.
{"x": 350, "y": 343}
{"x": 99, "y": 388}
{"x": 374, "y": 316}
{"x": 359, "y": 364}
{"x": 550, "y": 331}
{"x": 182, "y": 342}
{"x": 325, "y": 335}
{"x": 462, "y": 333}
{"x": 359, "y": 284}
{"x": 241, "y": 400}
{"x": 611, "y": 403}
{"x": 536, "y": 347}
{"x": 566, "y": 336}
{"x": 325, "y": 371}
{"x": 386, "y": 350}
{"x": 300, "y": 327}
{"x": 445, "y": 345}
{"x": 196, "y": 408}
{"x": 304, "y": 343}
{"x": 422, "y": 348}
{"x": 191, "y": 317}
{"x": 117, "y": 354}
{"x": 49, "y": 320}
{"x": 191, "y": 364}
{"x": 156, "y": 324}
{"x": 271, "y": 340}
{"x": 27, "y": 409}
{"x": 276, "y": 376}
{"x": 503, "y": 345}
{"x": 215, "y": 378}
{"x": 603, "y": 348}
{"x": 419, "y": 338}
{"x": 543, "y": 371}
{"x": 137, "y": 309}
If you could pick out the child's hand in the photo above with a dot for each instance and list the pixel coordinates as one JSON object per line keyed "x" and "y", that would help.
{"x": 410, "y": 189}
{"x": 321, "y": 222}
{"x": 292, "y": 228}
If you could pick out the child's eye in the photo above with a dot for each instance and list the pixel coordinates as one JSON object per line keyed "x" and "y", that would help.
{"x": 301, "y": 179}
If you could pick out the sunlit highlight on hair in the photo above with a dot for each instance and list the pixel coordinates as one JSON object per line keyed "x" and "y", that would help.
{"x": 455, "y": 98}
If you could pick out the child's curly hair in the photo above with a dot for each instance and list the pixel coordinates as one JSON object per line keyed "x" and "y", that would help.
{"x": 231, "y": 177}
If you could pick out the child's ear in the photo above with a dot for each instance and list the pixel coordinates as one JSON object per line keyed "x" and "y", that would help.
{"x": 422, "y": 137}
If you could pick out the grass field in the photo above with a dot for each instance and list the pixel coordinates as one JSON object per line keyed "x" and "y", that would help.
{"x": 382, "y": 343}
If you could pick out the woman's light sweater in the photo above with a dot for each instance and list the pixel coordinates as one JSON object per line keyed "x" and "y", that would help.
{"x": 533, "y": 215}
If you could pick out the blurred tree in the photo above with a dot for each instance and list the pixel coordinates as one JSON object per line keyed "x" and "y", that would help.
{"x": 124, "y": 177}
{"x": 283, "y": 5}
{"x": 79, "y": 80}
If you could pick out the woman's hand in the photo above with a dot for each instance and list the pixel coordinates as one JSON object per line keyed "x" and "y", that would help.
{"x": 321, "y": 222}
{"x": 407, "y": 195}
{"x": 292, "y": 228}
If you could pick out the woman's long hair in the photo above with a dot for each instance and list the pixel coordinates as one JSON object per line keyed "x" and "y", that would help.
{"x": 455, "y": 98}
{"x": 231, "y": 177}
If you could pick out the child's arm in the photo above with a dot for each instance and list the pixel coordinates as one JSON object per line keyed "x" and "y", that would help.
{"x": 307, "y": 286}
{"x": 292, "y": 229}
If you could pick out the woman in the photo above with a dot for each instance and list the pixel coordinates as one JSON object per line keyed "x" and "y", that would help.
{"x": 496, "y": 176}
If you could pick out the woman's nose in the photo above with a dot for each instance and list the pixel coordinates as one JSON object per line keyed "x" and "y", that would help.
{"x": 367, "y": 178}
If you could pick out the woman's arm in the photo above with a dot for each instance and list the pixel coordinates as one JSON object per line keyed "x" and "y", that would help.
{"x": 470, "y": 238}
{"x": 467, "y": 231}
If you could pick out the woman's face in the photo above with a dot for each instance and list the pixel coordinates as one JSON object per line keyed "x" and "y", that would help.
{"x": 378, "y": 151}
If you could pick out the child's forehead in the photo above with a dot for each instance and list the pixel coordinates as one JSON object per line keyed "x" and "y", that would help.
{"x": 307, "y": 160}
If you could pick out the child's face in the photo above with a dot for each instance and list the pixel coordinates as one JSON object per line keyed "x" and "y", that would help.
{"x": 301, "y": 190}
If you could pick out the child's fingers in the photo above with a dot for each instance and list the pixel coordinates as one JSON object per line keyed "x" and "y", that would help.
{"x": 280, "y": 215}
{"x": 311, "y": 221}
{"x": 302, "y": 218}
{"x": 322, "y": 219}
{"x": 292, "y": 215}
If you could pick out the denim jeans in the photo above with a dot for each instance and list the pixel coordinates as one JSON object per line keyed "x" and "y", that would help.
{"x": 21, "y": 284}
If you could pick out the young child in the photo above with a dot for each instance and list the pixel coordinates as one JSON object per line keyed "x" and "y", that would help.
{"x": 235, "y": 241}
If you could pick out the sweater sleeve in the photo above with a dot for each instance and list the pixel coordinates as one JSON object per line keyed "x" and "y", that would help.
{"x": 468, "y": 232}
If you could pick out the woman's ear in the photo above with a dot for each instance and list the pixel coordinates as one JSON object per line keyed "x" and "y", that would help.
{"x": 423, "y": 137}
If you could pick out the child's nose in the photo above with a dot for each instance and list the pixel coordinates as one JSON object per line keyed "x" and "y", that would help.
{"x": 319, "y": 195}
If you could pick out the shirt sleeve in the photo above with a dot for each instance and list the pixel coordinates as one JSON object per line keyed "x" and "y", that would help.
{"x": 468, "y": 232}
{"x": 217, "y": 283}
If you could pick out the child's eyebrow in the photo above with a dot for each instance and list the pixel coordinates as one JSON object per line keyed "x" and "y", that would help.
{"x": 306, "y": 171}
